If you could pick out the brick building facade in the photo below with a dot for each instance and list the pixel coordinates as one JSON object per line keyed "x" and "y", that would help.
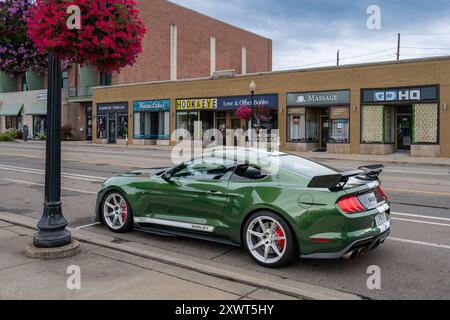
{"x": 195, "y": 36}
{"x": 180, "y": 44}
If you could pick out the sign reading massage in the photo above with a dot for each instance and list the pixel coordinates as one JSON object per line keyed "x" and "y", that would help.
{"x": 325, "y": 98}
{"x": 401, "y": 95}
{"x": 228, "y": 103}
{"x": 152, "y": 106}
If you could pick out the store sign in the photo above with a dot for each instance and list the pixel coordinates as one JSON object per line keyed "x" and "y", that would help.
{"x": 234, "y": 103}
{"x": 196, "y": 104}
{"x": 152, "y": 106}
{"x": 41, "y": 97}
{"x": 327, "y": 98}
{"x": 400, "y": 95}
{"x": 228, "y": 103}
{"x": 112, "y": 108}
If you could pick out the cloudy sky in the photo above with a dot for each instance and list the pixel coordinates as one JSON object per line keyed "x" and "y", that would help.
{"x": 308, "y": 33}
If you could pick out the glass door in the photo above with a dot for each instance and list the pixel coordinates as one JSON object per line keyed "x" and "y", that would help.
{"x": 404, "y": 132}
{"x": 324, "y": 131}
{"x": 89, "y": 123}
{"x": 112, "y": 130}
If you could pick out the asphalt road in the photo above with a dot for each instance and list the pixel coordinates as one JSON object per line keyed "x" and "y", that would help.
{"x": 414, "y": 261}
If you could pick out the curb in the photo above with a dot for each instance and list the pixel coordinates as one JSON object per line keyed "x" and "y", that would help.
{"x": 253, "y": 278}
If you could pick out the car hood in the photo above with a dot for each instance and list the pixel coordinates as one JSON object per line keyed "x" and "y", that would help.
{"x": 144, "y": 172}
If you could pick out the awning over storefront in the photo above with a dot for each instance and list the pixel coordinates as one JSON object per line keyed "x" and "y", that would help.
{"x": 11, "y": 110}
{"x": 37, "y": 109}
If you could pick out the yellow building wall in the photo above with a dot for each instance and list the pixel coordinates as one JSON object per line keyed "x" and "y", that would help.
{"x": 355, "y": 78}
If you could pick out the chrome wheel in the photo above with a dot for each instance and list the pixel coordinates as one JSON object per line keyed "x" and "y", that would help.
{"x": 115, "y": 211}
{"x": 266, "y": 240}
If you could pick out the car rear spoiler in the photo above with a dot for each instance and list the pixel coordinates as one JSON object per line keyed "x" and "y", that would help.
{"x": 338, "y": 181}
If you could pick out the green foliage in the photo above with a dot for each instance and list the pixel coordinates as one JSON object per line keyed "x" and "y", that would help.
{"x": 42, "y": 136}
{"x": 8, "y": 135}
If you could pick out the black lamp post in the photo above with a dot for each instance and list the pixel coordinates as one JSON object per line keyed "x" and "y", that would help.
{"x": 52, "y": 226}
{"x": 252, "y": 90}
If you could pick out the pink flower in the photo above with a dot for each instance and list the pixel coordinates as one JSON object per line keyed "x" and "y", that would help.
{"x": 244, "y": 112}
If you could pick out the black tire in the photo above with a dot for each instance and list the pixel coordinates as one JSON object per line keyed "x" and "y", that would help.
{"x": 124, "y": 227}
{"x": 290, "y": 249}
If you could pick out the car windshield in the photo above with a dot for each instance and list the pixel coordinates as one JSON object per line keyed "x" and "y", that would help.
{"x": 305, "y": 167}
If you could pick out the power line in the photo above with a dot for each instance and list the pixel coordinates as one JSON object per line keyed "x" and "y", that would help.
{"x": 424, "y": 48}
{"x": 343, "y": 48}
{"x": 368, "y": 54}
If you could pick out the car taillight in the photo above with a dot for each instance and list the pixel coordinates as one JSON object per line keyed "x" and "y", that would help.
{"x": 382, "y": 193}
{"x": 350, "y": 204}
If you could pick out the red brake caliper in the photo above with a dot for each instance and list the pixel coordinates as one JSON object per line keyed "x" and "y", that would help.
{"x": 280, "y": 234}
{"x": 124, "y": 212}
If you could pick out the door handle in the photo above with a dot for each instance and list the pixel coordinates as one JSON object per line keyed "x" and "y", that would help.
{"x": 215, "y": 192}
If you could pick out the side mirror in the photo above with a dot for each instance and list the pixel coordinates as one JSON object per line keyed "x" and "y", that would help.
{"x": 167, "y": 177}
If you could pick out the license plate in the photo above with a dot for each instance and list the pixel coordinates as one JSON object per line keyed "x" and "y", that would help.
{"x": 369, "y": 201}
{"x": 383, "y": 222}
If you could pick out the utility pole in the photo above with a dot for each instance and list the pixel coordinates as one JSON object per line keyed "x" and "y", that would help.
{"x": 338, "y": 58}
{"x": 398, "y": 47}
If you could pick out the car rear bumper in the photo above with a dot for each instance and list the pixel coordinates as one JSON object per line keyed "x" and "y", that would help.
{"x": 361, "y": 245}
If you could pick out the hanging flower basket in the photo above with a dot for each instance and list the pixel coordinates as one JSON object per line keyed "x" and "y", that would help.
{"x": 17, "y": 52}
{"x": 244, "y": 113}
{"x": 110, "y": 36}
{"x": 262, "y": 114}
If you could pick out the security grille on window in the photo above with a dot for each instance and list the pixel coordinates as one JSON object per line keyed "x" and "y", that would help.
{"x": 425, "y": 123}
{"x": 372, "y": 124}
{"x": 340, "y": 131}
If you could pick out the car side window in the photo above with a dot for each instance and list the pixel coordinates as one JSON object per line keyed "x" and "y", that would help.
{"x": 248, "y": 173}
{"x": 205, "y": 169}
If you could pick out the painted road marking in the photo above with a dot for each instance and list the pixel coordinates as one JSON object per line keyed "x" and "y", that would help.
{"x": 444, "y": 194}
{"x": 422, "y": 222}
{"x": 42, "y": 185}
{"x": 421, "y": 243}
{"x": 20, "y": 155}
{"x": 419, "y": 216}
{"x": 63, "y": 174}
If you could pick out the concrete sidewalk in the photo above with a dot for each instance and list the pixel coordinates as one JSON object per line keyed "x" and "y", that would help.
{"x": 107, "y": 274}
{"x": 395, "y": 158}
{"x": 113, "y": 269}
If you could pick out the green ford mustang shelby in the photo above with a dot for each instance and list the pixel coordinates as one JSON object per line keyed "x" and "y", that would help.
{"x": 277, "y": 205}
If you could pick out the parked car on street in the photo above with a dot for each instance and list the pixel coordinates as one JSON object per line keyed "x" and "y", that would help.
{"x": 278, "y": 206}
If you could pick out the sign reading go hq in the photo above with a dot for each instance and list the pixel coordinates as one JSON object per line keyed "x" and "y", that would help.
{"x": 197, "y": 104}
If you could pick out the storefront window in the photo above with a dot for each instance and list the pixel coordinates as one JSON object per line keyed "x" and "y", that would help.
{"x": 372, "y": 124}
{"x": 122, "y": 129}
{"x": 39, "y": 125}
{"x": 340, "y": 131}
{"x": 13, "y": 123}
{"x": 297, "y": 128}
{"x": 425, "y": 119}
{"x": 152, "y": 125}
{"x": 101, "y": 127}
{"x": 186, "y": 121}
